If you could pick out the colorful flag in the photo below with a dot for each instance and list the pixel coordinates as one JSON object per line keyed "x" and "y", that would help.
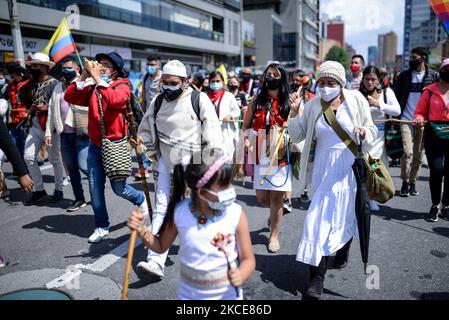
{"x": 61, "y": 43}
{"x": 441, "y": 9}
{"x": 222, "y": 70}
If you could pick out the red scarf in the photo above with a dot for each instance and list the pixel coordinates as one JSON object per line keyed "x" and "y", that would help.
{"x": 215, "y": 96}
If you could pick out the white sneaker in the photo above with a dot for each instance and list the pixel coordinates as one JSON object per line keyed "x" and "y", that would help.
{"x": 151, "y": 268}
{"x": 374, "y": 206}
{"x": 66, "y": 181}
{"x": 98, "y": 235}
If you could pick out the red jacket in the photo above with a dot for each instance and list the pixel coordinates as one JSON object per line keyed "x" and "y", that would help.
{"x": 114, "y": 108}
{"x": 18, "y": 108}
{"x": 433, "y": 109}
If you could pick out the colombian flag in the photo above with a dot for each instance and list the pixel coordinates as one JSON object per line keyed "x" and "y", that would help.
{"x": 61, "y": 43}
{"x": 441, "y": 8}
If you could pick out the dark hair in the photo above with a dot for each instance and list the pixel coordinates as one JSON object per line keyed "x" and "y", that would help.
{"x": 367, "y": 71}
{"x": 213, "y": 74}
{"x": 421, "y": 51}
{"x": 10, "y": 67}
{"x": 200, "y": 162}
{"x": 358, "y": 56}
{"x": 284, "y": 90}
{"x": 299, "y": 73}
{"x": 234, "y": 77}
{"x": 21, "y": 71}
{"x": 153, "y": 57}
{"x": 69, "y": 59}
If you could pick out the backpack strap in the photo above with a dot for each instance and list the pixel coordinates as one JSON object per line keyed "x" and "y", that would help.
{"x": 196, "y": 103}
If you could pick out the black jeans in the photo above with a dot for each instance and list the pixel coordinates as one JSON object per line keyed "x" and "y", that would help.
{"x": 437, "y": 152}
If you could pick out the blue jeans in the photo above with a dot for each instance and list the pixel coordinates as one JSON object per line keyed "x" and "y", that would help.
{"x": 18, "y": 136}
{"x": 97, "y": 179}
{"x": 74, "y": 150}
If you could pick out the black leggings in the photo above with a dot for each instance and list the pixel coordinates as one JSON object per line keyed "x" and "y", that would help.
{"x": 437, "y": 152}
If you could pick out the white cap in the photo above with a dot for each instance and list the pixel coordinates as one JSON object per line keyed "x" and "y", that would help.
{"x": 41, "y": 58}
{"x": 175, "y": 68}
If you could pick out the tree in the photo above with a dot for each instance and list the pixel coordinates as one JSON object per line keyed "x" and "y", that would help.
{"x": 338, "y": 54}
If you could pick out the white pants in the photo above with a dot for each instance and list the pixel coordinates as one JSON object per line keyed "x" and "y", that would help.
{"x": 162, "y": 198}
{"x": 34, "y": 141}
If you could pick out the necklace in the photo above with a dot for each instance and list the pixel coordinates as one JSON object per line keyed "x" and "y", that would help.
{"x": 201, "y": 217}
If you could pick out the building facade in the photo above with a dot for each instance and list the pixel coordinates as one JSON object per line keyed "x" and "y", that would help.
{"x": 372, "y": 56}
{"x": 388, "y": 49}
{"x": 286, "y": 31}
{"x": 202, "y": 34}
{"x": 421, "y": 27}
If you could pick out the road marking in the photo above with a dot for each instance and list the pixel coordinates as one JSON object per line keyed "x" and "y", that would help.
{"x": 98, "y": 266}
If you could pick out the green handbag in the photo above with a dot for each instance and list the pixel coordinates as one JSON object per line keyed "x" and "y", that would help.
{"x": 441, "y": 130}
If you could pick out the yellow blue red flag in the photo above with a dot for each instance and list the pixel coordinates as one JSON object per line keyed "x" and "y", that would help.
{"x": 61, "y": 43}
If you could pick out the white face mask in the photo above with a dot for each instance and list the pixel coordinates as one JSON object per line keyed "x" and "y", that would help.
{"x": 225, "y": 199}
{"x": 328, "y": 94}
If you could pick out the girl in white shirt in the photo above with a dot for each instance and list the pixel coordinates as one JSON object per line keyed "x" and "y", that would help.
{"x": 205, "y": 272}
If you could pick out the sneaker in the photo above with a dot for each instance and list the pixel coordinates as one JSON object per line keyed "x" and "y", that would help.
{"x": 413, "y": 191}
{"x": 445, "y": 212}
{"x": 316, "y": 286}
{"x": 287, "y": 206}
{"x": 76, "y": 205}
{"x": 36, "y": 197}
{"x": 98, "y": 235}
{"x": 432, "y": 216}
{"x": 66, "y": 181}
{"x": 374, "y": 206}
{"x": 2, "y": 262}
{"x": 405, "y": 190}
{"x": 151, "y": 268}
{"x": 57, "y": 196}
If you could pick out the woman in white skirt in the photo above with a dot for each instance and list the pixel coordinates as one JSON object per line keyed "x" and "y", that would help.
{"x": 227, "y": 110}
{"x": 264, "y": 124}
{"x": 326, "y": 163}
{"x": 383, "y": 103}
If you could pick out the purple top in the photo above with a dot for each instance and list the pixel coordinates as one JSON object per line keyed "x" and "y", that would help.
{"x": 64, "y": 111}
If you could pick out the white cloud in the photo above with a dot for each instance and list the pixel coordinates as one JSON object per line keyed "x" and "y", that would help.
{"x": 365, "y": 20}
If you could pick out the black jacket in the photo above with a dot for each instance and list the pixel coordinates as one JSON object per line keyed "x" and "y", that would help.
{"x": 9, "y": 148}
{"x": 403, "y": 83}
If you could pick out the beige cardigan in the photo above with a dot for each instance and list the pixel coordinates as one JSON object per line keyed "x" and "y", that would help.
{"x": 303, "y": 128}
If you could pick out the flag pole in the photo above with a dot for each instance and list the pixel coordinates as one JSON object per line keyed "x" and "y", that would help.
{"x": 79, "y": 58}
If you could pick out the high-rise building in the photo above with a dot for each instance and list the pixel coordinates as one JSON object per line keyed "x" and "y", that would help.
{"x": 421, "y": 27}
{"x": 387, "y": 50}
{"x": 336, "y": 30}
{"x": 286, "y": 31}
{"x": 350, "y": 50}
{"x": 372, "y": 56}
{"x": 202, "y": 34}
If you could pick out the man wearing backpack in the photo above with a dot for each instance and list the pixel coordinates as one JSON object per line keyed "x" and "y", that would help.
{"x": 180, "y": 121}
{"x": 104, "y": 78}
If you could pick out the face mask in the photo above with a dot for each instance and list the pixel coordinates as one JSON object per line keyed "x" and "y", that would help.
{"x": 273, "y": 83}
{"x": 69, "y": 74}
{"x": 355, "y": 68}
{"x": 328, "y": 94}
{"x": 106, "y": 78}
{"x": 151, "y": 70}
{"x": 246, "y": 78}
{"x": 414, "y": 64}
{"x": 295, "y": 86}
{"x": 216, "y": 86}
{"x": 444, "y": 75}
{"x": 233, "y": 87}
{"x": 225, "y": 199}
{"x": 2, "y": 82}
{"x": 35, "y": 73}
{"x": 171, "y": 93}
{"x": 8, "y": 78}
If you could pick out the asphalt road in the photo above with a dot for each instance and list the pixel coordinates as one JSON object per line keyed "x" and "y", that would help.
{"x": 47, "y": 246}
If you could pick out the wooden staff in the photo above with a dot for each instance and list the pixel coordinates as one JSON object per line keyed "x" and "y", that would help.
{"x": 273, "y": 158}
{"x": 394, "y": 120}
{"x": 132, "y": 241}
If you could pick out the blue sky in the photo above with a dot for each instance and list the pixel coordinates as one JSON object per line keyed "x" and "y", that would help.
{"x": 365, "y": 20}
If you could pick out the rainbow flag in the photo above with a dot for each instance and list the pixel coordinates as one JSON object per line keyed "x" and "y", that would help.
{"x": 61, "y": 43}
{"x": 441, "y": 9}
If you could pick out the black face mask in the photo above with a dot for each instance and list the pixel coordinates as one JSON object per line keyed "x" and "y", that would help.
{"x": 444, "y": 75}
{"x": 35, "y": 73}
{"x": 414, "y": 64}
{"x": 295, "y": 86}
{"x": 172, "y": 95}
{"x": 69, "y": 76}
{"x": 233, "y": 88}
{"x": 273, "y": 83}
{"x": 245, "y": 79}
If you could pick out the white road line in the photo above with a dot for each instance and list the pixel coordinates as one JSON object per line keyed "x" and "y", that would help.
{"x": 98, "y": 266}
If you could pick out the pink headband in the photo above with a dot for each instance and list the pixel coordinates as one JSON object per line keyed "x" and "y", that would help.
{"x": 211, "y": 171}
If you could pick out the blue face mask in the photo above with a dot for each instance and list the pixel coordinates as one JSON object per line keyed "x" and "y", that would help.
{"x": 105, "y": 78}
{"x": 216, "y": 86}
{"x": 2, "y": 82}
{"x": 68, "y": 70}
{"x": 151, "y": 70}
